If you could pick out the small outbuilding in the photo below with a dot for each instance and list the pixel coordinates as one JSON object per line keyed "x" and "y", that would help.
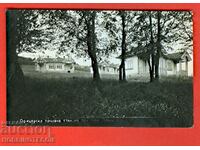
{"x": 54, "y": 64}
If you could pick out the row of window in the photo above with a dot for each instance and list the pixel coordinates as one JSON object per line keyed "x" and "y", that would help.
{"x": 55, "y": 66}
{"x": 130, "y": 65}
{"x": 108, "y": 69}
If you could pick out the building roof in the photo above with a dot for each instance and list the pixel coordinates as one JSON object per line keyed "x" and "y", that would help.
{"x": 55, "y": 60}
{"x": 176, "y": 57}
{"x": 140, "y": 54}
{"x": 139, "y": 51}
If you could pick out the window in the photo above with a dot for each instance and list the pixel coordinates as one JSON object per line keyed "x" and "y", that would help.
{"x": 59, "y": 66}
{"x": 51, "y": 67}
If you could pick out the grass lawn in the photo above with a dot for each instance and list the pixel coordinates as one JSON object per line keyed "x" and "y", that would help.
{"x": 79, "y": 101}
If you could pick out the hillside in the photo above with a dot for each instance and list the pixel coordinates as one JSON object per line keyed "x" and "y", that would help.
{"x": 25, "y": 61}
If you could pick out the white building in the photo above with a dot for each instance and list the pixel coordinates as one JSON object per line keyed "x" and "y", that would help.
{"x": 54, "y": 65}
{"x": 169, "y": 65}
{"x": 107, "y": 68}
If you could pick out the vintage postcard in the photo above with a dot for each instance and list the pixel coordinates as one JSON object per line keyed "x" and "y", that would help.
{"x": 115, "y": 68}
{"x": 99, "y": 74}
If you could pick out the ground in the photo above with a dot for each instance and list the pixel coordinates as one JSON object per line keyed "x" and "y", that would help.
{"x": 76, "y": 100}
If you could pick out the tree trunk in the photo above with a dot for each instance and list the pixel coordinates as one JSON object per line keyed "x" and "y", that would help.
{"x": 91, "y": 43}
{"x": 151, "y": 58}
{"x": 15, "y": 76}
{"x": 122, "y": 69}
{"x": 158, "y": 47}
{"x": 151, "y": 68}
{"x": 95, "y": 69}
{"x": 120, "y": 72}
{"x": 157, "y": 69}
{"x": 94, "y": 63}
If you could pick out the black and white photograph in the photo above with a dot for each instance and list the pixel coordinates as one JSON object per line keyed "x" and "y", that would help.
{"x": 101, "y": 68}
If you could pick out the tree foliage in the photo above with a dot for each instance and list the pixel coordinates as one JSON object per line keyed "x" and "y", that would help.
{"x": 97, "y": 34}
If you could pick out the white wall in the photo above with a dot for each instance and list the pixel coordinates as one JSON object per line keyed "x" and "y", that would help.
{"x": 190, "y": 68}
{"x": 47, "y": 67}
{"x": 139, "y": 67}
{"x": 131, "y": 65}
{"x": 171, "y": 69}
{"x": 107, "y": 70}
{"x": 69, "y": 68}
{"x": 183, "y": 66}
{"x": 40, "y": 68}
{"x": 162, "y": 67}
{"x": 143, "y": 67}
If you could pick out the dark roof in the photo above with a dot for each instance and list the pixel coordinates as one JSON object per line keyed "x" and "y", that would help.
{"x": 140, "y": 51}
{"x": 140, "y": 54}
{"x": 176, "y": 57}
{"x": 54, "y": 60}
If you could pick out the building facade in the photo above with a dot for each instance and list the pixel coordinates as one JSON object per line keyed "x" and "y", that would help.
{"x": 175, "y": 64}
{"x": 54, "y": 65}
{"x": 107, "y": 68}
